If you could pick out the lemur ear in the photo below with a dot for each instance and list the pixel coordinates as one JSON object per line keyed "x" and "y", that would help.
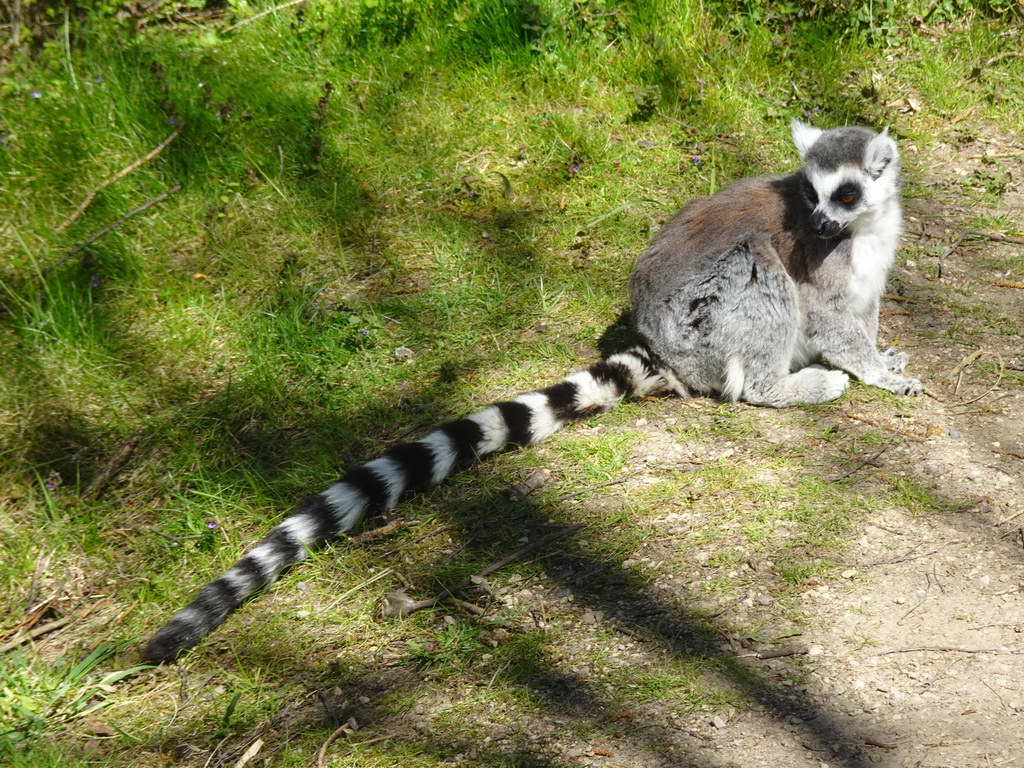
{"x": 879, "y": 153}
{"x": 804, "y": 136}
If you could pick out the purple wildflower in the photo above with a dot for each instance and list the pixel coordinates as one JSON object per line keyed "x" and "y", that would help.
{"x": 95, "y": 281}
{"x": 36, "y": 95}
{"x": 211, "y": 524}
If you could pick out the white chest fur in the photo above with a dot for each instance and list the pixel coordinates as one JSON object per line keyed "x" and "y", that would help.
{"x": 871, "y": 256}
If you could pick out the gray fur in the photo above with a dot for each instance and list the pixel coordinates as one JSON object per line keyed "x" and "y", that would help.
{"x": 844, "y": 145}
{"x": 741, "y": 291}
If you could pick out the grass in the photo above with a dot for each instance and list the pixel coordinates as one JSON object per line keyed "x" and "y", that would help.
{"x": 450, "y": 222}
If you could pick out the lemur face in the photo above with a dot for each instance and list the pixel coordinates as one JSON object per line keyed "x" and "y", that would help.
{"x": 849, "y": 173}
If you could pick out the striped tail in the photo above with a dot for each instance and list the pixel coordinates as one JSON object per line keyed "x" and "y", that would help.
{"x": 377, "y": 486}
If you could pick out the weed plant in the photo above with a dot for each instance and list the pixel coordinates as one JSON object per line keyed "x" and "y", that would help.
{"x": 380, "y": 215}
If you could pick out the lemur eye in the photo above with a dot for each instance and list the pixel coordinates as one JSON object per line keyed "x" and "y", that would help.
{"x": 810, "y": 192}
{"x": 847, "y": 195}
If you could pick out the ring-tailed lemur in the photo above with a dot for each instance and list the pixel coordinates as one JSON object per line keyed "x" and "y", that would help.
{"x": 735, "y": 296}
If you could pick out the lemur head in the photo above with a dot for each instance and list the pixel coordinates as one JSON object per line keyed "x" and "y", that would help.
{"x": 850, "y": 176}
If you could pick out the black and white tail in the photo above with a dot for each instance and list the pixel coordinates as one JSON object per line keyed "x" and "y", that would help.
{"x": 377, "y": 486}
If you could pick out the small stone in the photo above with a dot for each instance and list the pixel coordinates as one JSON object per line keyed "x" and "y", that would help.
{"x": 302, "y": 614}
{"x": 849, "y": 573}
{"x": 955, "y": 434}
{"x": 815, "y": 650}
{"x": 718, "y": 721}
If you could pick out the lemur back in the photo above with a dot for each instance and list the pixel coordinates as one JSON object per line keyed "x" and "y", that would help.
{"x": 734, "y": 297}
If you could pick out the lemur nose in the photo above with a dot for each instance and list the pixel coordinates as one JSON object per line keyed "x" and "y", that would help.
{"x": 823, "y": 226}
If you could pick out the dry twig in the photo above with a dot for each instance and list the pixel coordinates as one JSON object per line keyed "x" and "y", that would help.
{"x": 974, "y": 235}
{"x": 993, "y": 388}
{"x": 260, "y": 15}
{"x": 44, "y": 629}
{"x": 144, "y": 207}
{"x": 949, "y": 252}
{"x": 896, "y": 431}
{"x": 906, "y": 558}
{"x": 116, "y": 177}
{"x": 112, "y": 467}
{"x": 93, "y": 238}
{"x": 409, "y": 543}
{"x": 249, "y": 754}
{"x": 962, "y": 365}
{"x": 950, "y": 649}
{"x": 786, "y": 650}
{"x": 864, "y": 463}
{"x": 919, "y": 602}
{"x": 574, "y": 494}
{"x": 879, "y": 744}
{"x": 1018, "y": 454}
{"x": 997, "y": 624}
{"x": 345, "y": 730}
{"x": 1014, "y": 516}
{"x": 517, "y": 555}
